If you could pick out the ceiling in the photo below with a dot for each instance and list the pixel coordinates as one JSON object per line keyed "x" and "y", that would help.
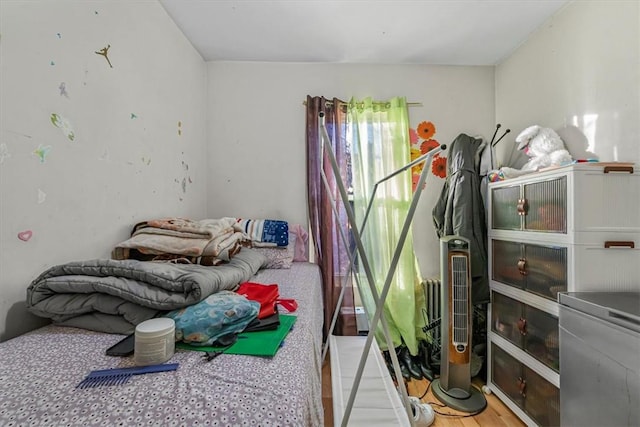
{"x": 437, "y": 32}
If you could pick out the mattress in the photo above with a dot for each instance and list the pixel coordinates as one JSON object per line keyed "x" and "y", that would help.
{"x": 39, "y": 372}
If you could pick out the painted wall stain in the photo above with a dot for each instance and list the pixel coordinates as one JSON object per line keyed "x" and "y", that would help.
{"x": 4, "y": 152}
{"x": 25, "y": 236}
{"x": 42, "y": 152}
{"x": 105, "y": 52}
{"x": 63, "y": 90}
{"x": 64, "y": 125}
{"x": 105, "y": 155}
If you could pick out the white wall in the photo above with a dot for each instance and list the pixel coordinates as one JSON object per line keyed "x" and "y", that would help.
{"x": 119, "y": 169}
{"x": 257, "y": 155}
{"x": 578, "y": 74}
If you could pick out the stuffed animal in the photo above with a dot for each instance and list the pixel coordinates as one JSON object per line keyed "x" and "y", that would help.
{"x": 543, "y": 146}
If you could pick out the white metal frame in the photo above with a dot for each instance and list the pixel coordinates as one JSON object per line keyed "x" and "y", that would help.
{"x": 378, "y": 299}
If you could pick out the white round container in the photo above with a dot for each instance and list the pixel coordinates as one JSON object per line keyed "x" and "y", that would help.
{"x": 155, "y": 341}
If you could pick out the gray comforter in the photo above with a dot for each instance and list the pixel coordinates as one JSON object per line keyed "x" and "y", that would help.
{"x": 114, "y": 296}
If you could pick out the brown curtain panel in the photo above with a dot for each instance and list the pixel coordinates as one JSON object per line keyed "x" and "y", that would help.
{"x": 330, "y": 251}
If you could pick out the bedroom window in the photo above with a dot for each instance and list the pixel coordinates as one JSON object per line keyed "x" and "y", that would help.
{"x": 370, "y": 140}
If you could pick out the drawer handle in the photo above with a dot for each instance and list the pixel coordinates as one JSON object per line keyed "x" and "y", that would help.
{"x": 614, "y": 244}
{"x": 522, "y": 387}
{"x": 522, "y": 326}
{"x": 608, "y": 169}
{"x": 522, "y": 266}
{"x": 522, "y": 207}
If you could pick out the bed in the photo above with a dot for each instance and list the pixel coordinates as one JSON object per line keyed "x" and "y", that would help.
{"x": 39, "y": 372}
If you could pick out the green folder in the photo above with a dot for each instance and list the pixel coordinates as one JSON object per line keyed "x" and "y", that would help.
{"x": 260, "y": 343}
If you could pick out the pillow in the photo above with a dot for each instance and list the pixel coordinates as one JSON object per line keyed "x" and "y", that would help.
{"x": 279, "y": 258}
{"x": 263, "y": 232}
{"x": 301, "y": 240}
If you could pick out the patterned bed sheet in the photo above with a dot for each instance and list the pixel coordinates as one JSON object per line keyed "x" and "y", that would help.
{"x": 40, "y": 370}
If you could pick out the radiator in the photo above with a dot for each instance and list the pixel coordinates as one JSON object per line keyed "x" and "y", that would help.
{"x": 432, "y": 297}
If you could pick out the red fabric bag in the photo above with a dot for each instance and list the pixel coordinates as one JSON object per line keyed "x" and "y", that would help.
{"x": 266, "y": 295}
{"x": 288, "y": 304}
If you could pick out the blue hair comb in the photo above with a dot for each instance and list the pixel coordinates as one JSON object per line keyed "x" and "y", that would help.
{"x": 119, "y": 376}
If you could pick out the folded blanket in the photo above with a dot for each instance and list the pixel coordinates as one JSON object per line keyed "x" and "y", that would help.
{"x": 264, "y": 232}
{"x": 114, "y": 296}
{"x": 207, "y": 241}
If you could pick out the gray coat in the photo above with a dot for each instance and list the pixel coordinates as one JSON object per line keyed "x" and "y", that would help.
{"x": 460, "y": 209}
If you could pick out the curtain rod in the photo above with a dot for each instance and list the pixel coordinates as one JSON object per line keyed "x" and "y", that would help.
{"x": 409, "y": 104}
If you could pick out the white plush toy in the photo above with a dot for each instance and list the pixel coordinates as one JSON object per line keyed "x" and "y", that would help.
{"x": 543, "y": 146}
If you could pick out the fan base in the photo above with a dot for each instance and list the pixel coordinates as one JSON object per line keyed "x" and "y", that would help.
{"x": 470, "y": 401}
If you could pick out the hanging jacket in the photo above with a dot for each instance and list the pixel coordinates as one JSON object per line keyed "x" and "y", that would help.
{"x": 460, "y": 210}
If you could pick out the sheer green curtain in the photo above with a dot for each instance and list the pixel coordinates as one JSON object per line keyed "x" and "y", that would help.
{"x": 379, "y": 134}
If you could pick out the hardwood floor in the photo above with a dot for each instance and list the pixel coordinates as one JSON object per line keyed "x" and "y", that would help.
{"x": 327, "y": 401}
{"x": 496, "y": 414}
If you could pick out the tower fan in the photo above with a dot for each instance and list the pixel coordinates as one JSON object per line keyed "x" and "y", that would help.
{"x": 453, "y": 388}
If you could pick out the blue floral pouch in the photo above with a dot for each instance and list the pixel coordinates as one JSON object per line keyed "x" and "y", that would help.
{"x": 219, "y": 314}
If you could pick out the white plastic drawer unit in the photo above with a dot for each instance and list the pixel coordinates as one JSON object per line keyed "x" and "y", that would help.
{"x": 530, "y": 329}
{"x": 582, "y": 203}
{"x": 525, "y": 388}
{"x": 538, "y": 206}
{"x": 543, "y": 268}
{"x": 539, "y": 269}
{"x": 568, "y": 229}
